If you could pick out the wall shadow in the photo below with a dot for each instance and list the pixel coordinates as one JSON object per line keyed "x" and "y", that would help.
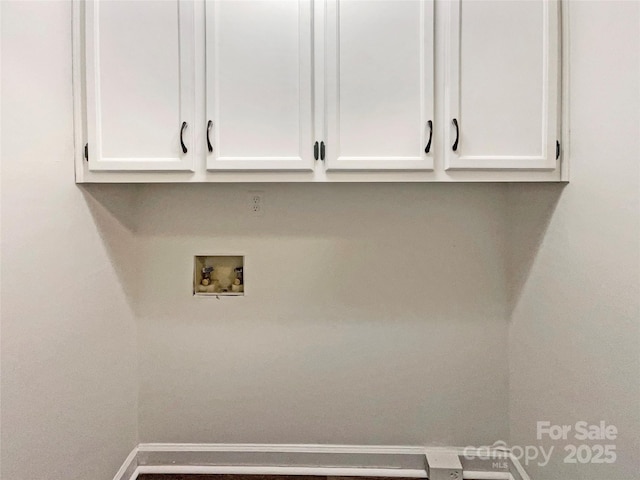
{"x": 114, "y": 210}
{"x": 530, "y": 209}
{"x": 126, "y": 214}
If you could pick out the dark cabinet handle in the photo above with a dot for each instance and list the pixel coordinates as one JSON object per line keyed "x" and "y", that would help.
{"x": 454, "y": 147}
{"x": 209, "y": 125}
{"x": 428, "y": 147}
{"x": 315, "y": 150}
{"x": 321, "y": 150}
{"x": 184, "y": 148}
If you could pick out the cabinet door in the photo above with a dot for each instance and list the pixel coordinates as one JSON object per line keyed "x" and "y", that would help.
{"x": 502, "y": 100}
{"x": 140, "y": 84}
{"x": 379, "y": 84}
{"x": 258, "y": 85}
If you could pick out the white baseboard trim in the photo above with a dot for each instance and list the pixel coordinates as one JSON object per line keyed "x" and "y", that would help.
{"x": 289, "y": 459}
{"x": 487, "y": 476}
{"x": 128, "y": 469}
{"x": 518, "y": 467}
{"x": 310, "y": 471}
{"x": 282, "y": 448}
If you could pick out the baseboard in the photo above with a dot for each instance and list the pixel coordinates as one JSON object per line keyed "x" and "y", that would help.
{"x": 312, "y": 460}
{"x": 282, "y": 448}
{"x": 128, "y": 469}
{"x": 518, "y": 468}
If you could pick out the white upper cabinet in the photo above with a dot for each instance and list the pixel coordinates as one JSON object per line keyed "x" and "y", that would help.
{"x": 319, "y": 90}
{"x": 502, "y": 86}
{"x": 379, "y": 84}
{"x": 259, "y": 75}
{"x": 140, "y": 84}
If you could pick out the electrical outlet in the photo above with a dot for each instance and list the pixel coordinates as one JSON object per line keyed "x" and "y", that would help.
{"x": 256, "y": 203}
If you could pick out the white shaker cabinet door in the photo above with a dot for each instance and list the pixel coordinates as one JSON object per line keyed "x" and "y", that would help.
{"x": 503, "y": 85}
{"x": 140, "y": 84}
{"x": 379, "y": 84}
{"x": 259, "y": 85}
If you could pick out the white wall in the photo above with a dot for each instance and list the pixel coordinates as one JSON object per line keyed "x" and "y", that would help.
{"x": 68, "y": 334}
{"x": 575, "y": 332}
{"x": 374, "y": 314}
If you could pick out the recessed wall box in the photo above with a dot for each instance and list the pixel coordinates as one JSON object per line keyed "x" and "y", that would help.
{"x": 218, "y": 275}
